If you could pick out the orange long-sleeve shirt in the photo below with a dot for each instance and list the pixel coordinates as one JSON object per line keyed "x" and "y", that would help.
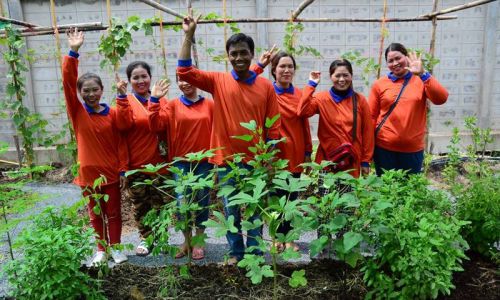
{"x": 101, "y": 150}
{"x": 141, "y": 141}
{"x": 336, "y": 124}
{"x": 405, "y": 127}
{"x": 235, "y": 101}
{"x": 189, "y": 126}
{"x": 295, "y": 129}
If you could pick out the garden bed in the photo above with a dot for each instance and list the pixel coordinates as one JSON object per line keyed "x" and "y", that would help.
{"x": 327, "y": 279}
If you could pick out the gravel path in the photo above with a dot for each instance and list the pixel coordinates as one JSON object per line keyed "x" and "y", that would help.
{"x": 67, "y": 194}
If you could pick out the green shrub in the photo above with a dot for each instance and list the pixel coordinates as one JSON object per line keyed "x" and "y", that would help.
{"x": 53, "y": 248}
{"x": 416, "y": 238}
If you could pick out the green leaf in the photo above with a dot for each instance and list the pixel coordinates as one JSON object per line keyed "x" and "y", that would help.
{"x": 245, "y": 137}
{"x": 318, "y": 245}
{"x": 351, "y": 239}
{"x": 298, "y": 279}
{"x": 270, "y": 122}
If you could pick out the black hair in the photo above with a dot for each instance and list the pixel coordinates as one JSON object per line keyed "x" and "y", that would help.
{"x": 276, "y": 59}
{"x": 88, "y": 76}
{"x": 240, "y": 38}
{"x": 396, "y": 47}
{"x": 136, "y": 64}
{"x": 340, "y": 63}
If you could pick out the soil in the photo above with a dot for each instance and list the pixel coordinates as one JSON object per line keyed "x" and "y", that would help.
{"x": 327, "y": 279}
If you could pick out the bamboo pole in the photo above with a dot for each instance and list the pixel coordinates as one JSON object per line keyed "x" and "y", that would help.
{"x": 433, "y": 31}
{"x": 194, "y": 49}
{"x": 162, "y": 8}
{"x": 162, "y": 45}
{"x": 300, "y": 8}
{"x": 56, "y": 32}
{"x": 457, "y": 8}
{"x": 225, "y": 28}
{"x": 16, "y": 22}
{"x": 108, "y": 11}
{"x": 1, "y": 9}
{"x": 99, "y": 26}
{"x": 431, "y": 52}
{"x": 382, "y": 37}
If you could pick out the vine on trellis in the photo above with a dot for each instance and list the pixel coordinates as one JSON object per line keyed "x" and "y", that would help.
{"x": 31, "y": 126}
{"x": 116, "y": 43}
{"x": 290, "y": 41}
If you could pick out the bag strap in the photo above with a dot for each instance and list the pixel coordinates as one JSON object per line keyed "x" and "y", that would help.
{"x": 393, "y": 105}
{"x": 354, "y": 116}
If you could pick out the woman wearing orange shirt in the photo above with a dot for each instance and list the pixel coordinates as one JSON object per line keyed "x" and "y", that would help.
{"x": 339, "y": 136}
{"x": 99, "y": 150}
{"x": 399, "y": 110}
{"x": 143, "y": 144}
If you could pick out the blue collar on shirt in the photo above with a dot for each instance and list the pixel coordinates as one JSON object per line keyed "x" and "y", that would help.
{"x": 140, "y": 98}
{"x": 338, "y": 98}
{"x": 188, "y": 102}
{"x": 103, "y": 112}
{"x": 394, "y": 78}
{"x": 281, "y": 91}
{"x": 249, "y": 80}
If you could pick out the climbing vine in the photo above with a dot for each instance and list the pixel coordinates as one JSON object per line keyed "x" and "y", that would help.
{"x": 367, "y": 64}
{"x": 31, "y": 126}
{"x": 290, "y": 41}
{"x": 116, "y": 43}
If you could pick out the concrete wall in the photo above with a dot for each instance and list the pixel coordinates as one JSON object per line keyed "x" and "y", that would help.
{"x": 468, "y": 47}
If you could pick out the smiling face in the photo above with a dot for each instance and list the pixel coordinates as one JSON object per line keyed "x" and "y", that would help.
{"x": 91, "y": 93}
{"x": 140, "y": 81}
{"x": 397, "y": 62}
{"x": 187, "y": 89}
{"x": 341, "y": 78}
{"x": 240, "y": 57}
{"x": 285, "y": 70}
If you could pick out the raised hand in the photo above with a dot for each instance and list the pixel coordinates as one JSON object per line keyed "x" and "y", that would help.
{"x": 160, "y": 89}
{"x": 415, "y": 64}
{"x": 121, "y": 85}
{"x": 315, "y": 76}
{"x": 189, "y": 23}
{"x": 75, "y": 38}
{"x": 268, "y": 55}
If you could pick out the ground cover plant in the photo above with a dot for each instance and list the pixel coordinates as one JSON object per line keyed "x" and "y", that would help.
{"x": 478, "y": 197}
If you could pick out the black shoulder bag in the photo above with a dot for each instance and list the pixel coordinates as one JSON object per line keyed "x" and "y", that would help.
{"x": 393, "y": 105}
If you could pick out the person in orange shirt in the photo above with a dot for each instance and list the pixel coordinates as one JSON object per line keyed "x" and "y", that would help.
{"x": 100, "y": 149}
{"x": 347, "y": 143}
{"x": 401, "y": 125}
{"x": 239, "y": 96}
{"x": 142, "y": 143}
{"x": 187, "y": 121}
{"x": 297, "y": 147}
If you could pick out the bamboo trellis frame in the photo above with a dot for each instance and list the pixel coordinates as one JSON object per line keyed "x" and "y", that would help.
{"x": 98, "y": 26}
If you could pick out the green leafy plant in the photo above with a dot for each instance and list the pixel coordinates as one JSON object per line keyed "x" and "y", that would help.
{"x": 255, "y": 192}
{"x": 290, "y": 41}
{"x": 477, "y": 197}
{"x": 53, "y": 248}
{"x": 182, "y": 216}
{"x": 367, "y": 64}
{"x": 116, "y": 43}
{"x": 416, "y": 239}
{"x": 31, "y": 126}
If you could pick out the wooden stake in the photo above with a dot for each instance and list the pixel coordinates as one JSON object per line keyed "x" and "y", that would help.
{"x": 382, "y": 37}
{"x": 457, "y": 8}
{"x": 15, "y": 22}
{"x": 162, "y": 8}
{"x": 56, "y": 32}
{"x": 108, "y": 10}
{"x": 431, "y": 52}
{"x": 224, "y": 15}
{"x": 300, "y": 8}
{"x": 194, "y": 49}
{"x": 162, "y": 45}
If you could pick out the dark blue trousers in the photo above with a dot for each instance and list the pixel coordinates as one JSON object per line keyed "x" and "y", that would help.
{"x": 392, "y": 160}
